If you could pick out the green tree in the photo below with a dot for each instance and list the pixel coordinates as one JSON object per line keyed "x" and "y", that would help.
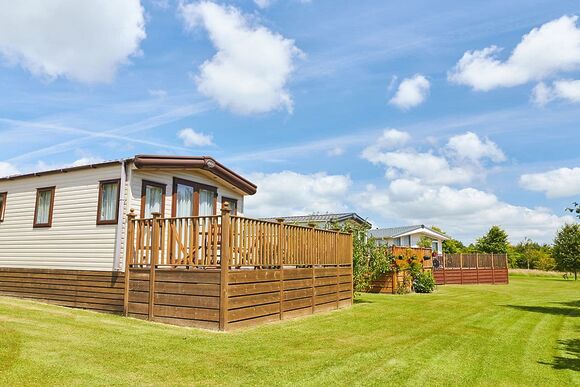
{"x": 450, "y": 246}
{"x": 495, "y": 241}
{"x": 425, "y": 242}
{"x": 370, "y": 261}
{"x": 566, "y": 251}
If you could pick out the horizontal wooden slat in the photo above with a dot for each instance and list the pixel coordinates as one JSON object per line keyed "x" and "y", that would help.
{"x": 253, "y": 312}
{"x": 251, "y": 300}
{"x": 255, "y": 288}
{"x": 186, "y": 313}
{"x": 250, "y": 276}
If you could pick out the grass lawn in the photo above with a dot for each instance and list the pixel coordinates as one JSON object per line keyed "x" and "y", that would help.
{"x": 526, "y": 333}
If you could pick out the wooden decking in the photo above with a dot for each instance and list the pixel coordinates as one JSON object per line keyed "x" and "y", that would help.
{"x": 226, "y": 272}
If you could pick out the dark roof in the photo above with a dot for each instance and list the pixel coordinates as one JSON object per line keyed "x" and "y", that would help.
{"x": 395, "y": 231}
{"x": 154, "y": 161}
{"x": 318, "y": 218}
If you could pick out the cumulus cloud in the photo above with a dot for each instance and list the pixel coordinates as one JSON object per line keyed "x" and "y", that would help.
{"x": 8, "y": 169}
{"x": 84, "y": 41}
{"x": 469, "y": 146}
{"x": 564, "y": 89}
{"x": 411, "y": 92}
{"x": 547, "y": 50}
{"x": 192, "y": 138}
{"x": 252, "y": 66}
{"x": 460, "y": 163}
{"x": 464, "y": 212}
{"x": 557, "y": 183}
{"x": 290, "y": 193}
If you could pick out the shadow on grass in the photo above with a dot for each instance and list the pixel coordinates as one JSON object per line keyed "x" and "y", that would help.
{"x": 572, "y": 349}
{"x": 573, "y": 304}
{"x": 555, "y": 310}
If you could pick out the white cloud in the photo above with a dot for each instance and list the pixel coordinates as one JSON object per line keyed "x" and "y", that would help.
{"x": 263, "y": 3}
{"x": 469, "y": 146}
{"x": 550, "y": 49}
{"x": 390, "y": 139}
{"x": 252, "y": 66}
{"x": 192, "y": 138}
{"x": 463, "y": 212}
{"x": 565, "y": 89}
{"x": 87, "y": 160}
{"x": 289, "y": 193}
{"x": 562, "y": 182}
{"x": 336, "y": 151}
{"x": 7, "y": 169}
{"x": 81, "y": 40}
{"x": 459, "y": 163}
{"x": 411, "y": 92}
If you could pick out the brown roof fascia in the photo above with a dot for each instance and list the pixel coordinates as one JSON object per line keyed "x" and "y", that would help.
{"x": 197, "y": 162}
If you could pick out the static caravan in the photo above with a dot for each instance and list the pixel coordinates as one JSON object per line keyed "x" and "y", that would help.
{"x": 163, "y": 238}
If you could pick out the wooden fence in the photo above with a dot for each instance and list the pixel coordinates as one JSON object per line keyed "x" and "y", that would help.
{"x": 471, "y": 269}
{"x": 226, "y": 271}
{"x": 391, "y": 282}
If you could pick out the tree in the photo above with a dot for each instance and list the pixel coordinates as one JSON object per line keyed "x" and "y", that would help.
{"x": 425, "y": 242}
{"x": 495, "y": 241}
{"x": 450, "y": 246}
{"x": 566, "y": 249}
{"x": 575, "y": 209}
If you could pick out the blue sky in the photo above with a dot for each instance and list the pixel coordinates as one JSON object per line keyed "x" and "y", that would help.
{"x": 394, "y": 110}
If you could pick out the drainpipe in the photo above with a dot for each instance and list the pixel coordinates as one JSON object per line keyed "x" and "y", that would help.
{"x": 121, "y": 218}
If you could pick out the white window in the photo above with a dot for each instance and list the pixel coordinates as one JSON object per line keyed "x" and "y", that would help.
{"x": 184, "y": 200}
{"x": 206, "y": 202}
{"x": 44, "y": 207}
{"x": 108, "y": 210}
{"x": 152, "y": 198}
{"x": 435, "y": 246}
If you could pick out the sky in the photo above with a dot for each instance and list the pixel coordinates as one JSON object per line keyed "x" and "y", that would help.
{"x": 461, "y": 115}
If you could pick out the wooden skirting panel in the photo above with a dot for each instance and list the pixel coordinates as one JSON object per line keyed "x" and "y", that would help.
{"x": 182, "y": 297}
{"x": 257, "y": 296}
{"x": 95, "y": 290}
{"x": 469, "y": 276}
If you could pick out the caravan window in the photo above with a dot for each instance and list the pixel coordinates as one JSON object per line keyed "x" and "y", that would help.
{"x": 44, "y": 207}
{"x": 3, "y": 196}
{"x": 152, "y": 198}
{"x": 108, "y": 208}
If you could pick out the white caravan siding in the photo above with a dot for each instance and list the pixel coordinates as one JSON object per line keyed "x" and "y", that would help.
{"x": 74, "y": 241}
{"x": 166, "y": 177}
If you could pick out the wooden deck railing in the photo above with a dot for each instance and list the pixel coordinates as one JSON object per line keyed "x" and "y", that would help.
{"x": 202, "y": 241}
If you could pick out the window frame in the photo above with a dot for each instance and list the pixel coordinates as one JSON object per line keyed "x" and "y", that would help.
{"x": 226, "y": 199}
{"x": 144, "y": 185}
{"x": 4, "y": 196}
{"x": 196, "y": 188}
{"x": 50, "y": 210}
{"x": 102, "y": 183}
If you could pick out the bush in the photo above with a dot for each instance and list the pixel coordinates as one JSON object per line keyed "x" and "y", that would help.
{"x": 423, "y": 282}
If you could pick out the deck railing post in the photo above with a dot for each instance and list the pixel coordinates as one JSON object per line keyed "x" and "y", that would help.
{"x": 129, "y": 247}
{"x": 225, "y": 257}
{"x": 281, "y": 250}
{"x": 154, "y": 259}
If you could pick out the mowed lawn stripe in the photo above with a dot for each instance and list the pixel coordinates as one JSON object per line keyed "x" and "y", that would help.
{"x": 525, "y": 333}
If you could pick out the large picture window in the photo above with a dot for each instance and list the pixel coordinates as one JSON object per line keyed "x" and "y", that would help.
{"x": 152, "y": 198}
{"x": 3, "y": 196}
{"x": 193, "y": 199}
{"x": 108, "y": 209}
{"x": 44, "y": 207}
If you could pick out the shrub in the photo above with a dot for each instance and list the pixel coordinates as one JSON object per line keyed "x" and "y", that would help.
{"x": 423, "y": 282}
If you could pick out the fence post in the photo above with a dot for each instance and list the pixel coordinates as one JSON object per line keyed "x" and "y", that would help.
{"x": 337, "y": 268}
{"x": 477, "y": 267}
{"x": 444, "y": 269}
{"x": 507, "y": 272}
{"x": 224, "y": 266}
{"x": 281, "y": 249}
{"x": 153, "y": 263}
{"x": 310, "y": 252}
{"x": 129, "y": 245}
{"x": 461, "y": 267}
{"x": 492, "y": 270}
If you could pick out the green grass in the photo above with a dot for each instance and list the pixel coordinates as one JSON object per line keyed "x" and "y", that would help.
{"x": 527, "y": 333}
